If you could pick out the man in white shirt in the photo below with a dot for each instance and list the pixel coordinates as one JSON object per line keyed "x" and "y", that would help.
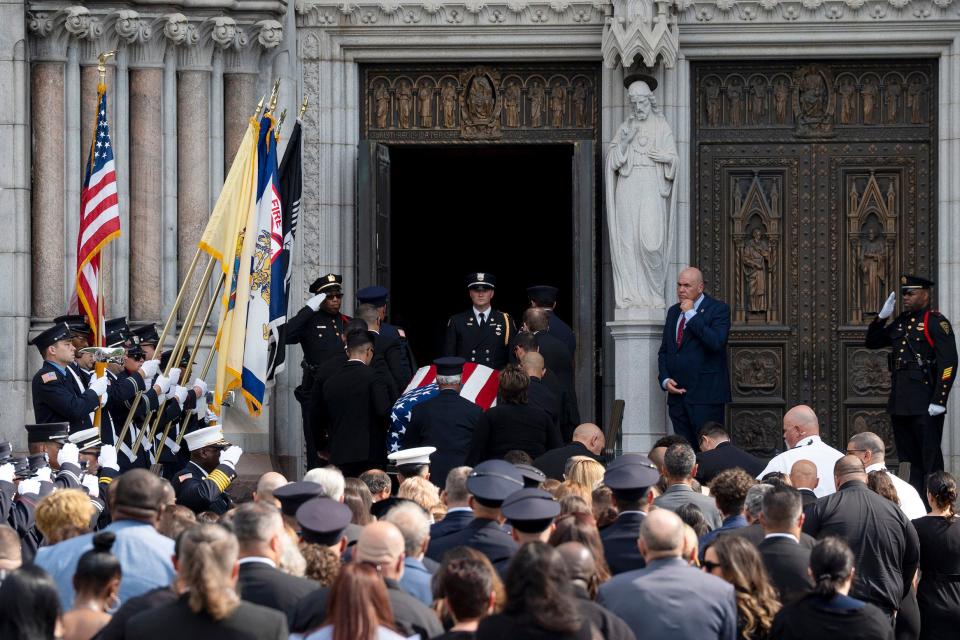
{"x": 801, "y": 433}
{"x": 869, "y": 447}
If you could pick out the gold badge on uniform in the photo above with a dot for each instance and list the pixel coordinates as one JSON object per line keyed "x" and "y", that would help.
{"x": 903, "y": 280}
{"x": 947, "y": 373}
{"x": 945, "y": 326}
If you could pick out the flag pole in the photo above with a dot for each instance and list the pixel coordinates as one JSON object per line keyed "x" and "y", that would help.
{"x": 203, "y": 374}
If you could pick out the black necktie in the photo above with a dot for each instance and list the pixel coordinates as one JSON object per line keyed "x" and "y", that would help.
{"x": 481, "y": 323}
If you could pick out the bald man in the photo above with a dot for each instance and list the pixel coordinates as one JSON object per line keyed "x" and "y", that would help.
{"x": 380, "y": 545}
{"x": 668, "y": 598}
{"x": 803, "y": 477}
{"x": 693, "y": 357}
{"x": 539, "y": 394}
{"x": 583, "y": 575}
{"x": 884, "y": 543}
{"x": 801, "y": 434}
{"x": 588, "y": 440}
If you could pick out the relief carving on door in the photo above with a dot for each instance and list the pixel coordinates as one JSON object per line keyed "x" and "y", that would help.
{"x": 813, "y": 189}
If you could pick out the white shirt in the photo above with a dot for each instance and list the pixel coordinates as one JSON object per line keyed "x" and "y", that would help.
{"x": 782, "y": 535}
{"x": 485, "y": 312}
{"x": 815, "y": 450}
{"x": 910, "y": 501}
{"x": 257, "y": 559}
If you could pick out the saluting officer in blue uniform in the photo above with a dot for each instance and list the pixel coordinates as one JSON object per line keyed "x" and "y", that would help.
{"x": 923, "y": 366}
{"x": 481, "y": 334}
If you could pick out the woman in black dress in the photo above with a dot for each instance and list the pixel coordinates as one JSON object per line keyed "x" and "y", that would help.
{"x": 939, "y": 591}
{"x": 513, "y": 423}
{"x": 828, "y": 612}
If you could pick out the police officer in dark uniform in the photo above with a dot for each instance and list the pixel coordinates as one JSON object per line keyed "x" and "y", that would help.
{"x": 445, "y": 421}
{"x": 544, "y": 296}
{"x": 481, "y": 334}
{"x": 629, "y": 477}
{"x": 81, "y": 369}
{"x": 378, "y": 296}
{"x": 148, "y": 339}
{"x": 55, "y": 398}
{"x": 923, "y": 366}
{"x": 317, "y": 328}
{"x": 202, "y": 484}
{"x": 490, "y": 483}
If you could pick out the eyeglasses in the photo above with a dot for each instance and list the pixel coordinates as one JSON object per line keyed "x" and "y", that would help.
{"x": 710, "y": 566}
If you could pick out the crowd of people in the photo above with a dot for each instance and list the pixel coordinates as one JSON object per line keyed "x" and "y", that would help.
{"x": 672, "y": 544}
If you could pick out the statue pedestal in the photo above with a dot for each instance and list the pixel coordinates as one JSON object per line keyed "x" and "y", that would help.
{"x": 637, "y": 333}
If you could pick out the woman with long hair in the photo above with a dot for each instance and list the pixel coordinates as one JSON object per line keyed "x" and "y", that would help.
{"x": 738, "y": 562}
{"x": 880, "y": 483}
{"x": 357, "y": 496}
{"x": 540, "y": 600}
{"x": 828, "y": 612}
{"x": 96, "y": 585}
{"x": 207, "y": 605}
{"x": 938, "y": 593}
{"x": 29, "y": 605}
{"x": 513, "y": 423}
{"x": 359, "y": 608}
{"x": 582, "y": 528}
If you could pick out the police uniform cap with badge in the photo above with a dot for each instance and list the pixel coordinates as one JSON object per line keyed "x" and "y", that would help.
{"x": 492, "y": 481}
{"x": 532, "y": 477}
{"x": 148, "y": 338}
{"x": 631, "y": 473}
{"x": 294, "y": 494}
{"x": 530, "y": 510}
{"x": 481, "y": 341}
{"x": 323, "y": 521}
{"x": 379, "y": 296}
{"x": 88, "y": 444}
{"x": 412, "y": 462}
{"x": 47, "y": 439}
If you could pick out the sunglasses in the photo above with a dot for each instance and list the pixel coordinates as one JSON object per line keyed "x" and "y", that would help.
{"x": 710, "y": 566}
{"x": 334, "y": 295}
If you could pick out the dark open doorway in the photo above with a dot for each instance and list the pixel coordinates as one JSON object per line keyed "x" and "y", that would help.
{"x": 506, "y": 210}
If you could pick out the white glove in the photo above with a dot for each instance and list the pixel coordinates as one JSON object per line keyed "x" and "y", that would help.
{"x": 91, "y": 484}
{"x": 200, "y": 384}
{"x": 174, "y": 447}
{"x": 30, "y": 485}
{"x": 936, "y": 409}
{"x": 108, "y": 457}
{"x": 68, "y": 453}
{"x": 43, "y": 474}
{"x": 145, "y": 444}
{"x": 172, "y": 391}
{"x": 888, "y": 306}
{"x": 231, "y": 455}
{"x": 163, "y": 382}
{"x": 201, "y": 410}
{"x": 174, "y": 375}
{"x": 99, "y": 385}
{"x": 315, "y": 302}
{"x": 150, "y": 368}
{"x": 7, "y": 472}
{"x": 180, "y": 394}
{"x": 104, "y": 399}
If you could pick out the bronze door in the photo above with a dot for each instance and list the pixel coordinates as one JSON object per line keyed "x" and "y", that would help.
{"x": 814, "y": 190}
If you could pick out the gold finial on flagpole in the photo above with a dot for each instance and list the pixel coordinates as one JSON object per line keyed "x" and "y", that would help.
{"x": 303, "y": 108}
{"x": 256, "y": 113}
{"x": 102, "y": 66}
{"x": 274, "y": 95}
{"x": 283, "y": 116}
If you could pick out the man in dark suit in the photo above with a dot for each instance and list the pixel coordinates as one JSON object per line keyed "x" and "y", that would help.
{"x": 629, "y": 477}
{"x": 377, "y": 296}
{"x": 489, "y": 484}
{"x": 387, "y": 360}
{"x": 718, "y": 454}
{"x": 445, "y": 421}
{"x": 884, "y": 543}
{"x": 785, "y": 559}
{"x": 481, "y": 334}
{"x": 545, "y": 297}
{"x": 457, "y": 500}
{"x": 556, "y": 356}
{"x": 753, "y": 507}
{"x": 803, "y": 477}
{"x": 588, "y": 440}
{"x": 262, "y": 537}
{"x": 538, "y": 394}
{"x": 358, "y": 402}
{"x": 525, "y": 342}
{"x": 381, "y": 544}
{"x": 693, "y": 357}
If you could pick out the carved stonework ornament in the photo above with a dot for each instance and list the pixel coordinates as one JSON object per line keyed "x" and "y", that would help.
{"x": 640, "y": 31}
{"x": 813, "y": 101}
{"x": 480, "y": 103}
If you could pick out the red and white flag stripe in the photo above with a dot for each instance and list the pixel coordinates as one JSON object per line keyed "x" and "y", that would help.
{"x": 479, "y": 383}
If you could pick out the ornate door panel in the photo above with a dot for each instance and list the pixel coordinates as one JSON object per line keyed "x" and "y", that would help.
{"x": 814, "y": 189}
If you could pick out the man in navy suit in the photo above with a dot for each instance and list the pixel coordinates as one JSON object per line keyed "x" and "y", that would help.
{"x": 693, "y": 357}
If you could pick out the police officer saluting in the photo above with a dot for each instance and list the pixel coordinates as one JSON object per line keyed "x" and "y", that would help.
{"x": 56, "y": 399}
{"x": 481, "y": 334}
{"x": 923, "y": 366}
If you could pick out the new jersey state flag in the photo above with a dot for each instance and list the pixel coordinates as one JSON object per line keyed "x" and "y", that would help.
{"x": 268, "y": 245}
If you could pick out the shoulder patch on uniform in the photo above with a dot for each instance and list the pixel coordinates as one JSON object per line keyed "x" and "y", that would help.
{"x": 184, "y": 477}
{"x": 945, "y": 326}
{"x": 402, "y": 334}
{"x": 947, "y": 373}
{"x": 48, "y": 377}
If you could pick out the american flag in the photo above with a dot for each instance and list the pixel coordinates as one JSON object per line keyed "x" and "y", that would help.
{"x": 99, "y": 217}
{"x": 480, "y": 386}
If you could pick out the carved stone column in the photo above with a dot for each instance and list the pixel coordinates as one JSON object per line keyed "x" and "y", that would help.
{"x": 241, "y": 60}
{"x": 48, "y": 196}
{"x": 146, "y": 49}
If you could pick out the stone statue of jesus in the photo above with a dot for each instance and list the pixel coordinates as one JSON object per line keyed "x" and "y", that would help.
{"x": 640, "y": 171}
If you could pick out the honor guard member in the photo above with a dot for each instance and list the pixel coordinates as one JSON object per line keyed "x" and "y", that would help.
{"x": 318, "y": 328}
{"x": 323, "y": 521}
{"x": 544, "y": 296}
{"x": 83, "y": 363}
{"x": 489, "y": 484}
{"x": 629, "y": 477}
{"x": 533, "y": 478}
{"x": 481, "y": 334}
{"x": 923, "y": 365}
{"x": 96, "y": 478}
{"x": 378, "y": 296}
{"x": 181, "y": 403}
{"x": 445, "y": 421}
{"x": 48, "y": 447}
{"x": 202, "y": 485}
{"x": 530, "y": 512}
{"x": 55, "y": 398}
{"x": 148, "y": 339}
{"x": 291, "y": 496}
{"x": 412, "y": 462}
